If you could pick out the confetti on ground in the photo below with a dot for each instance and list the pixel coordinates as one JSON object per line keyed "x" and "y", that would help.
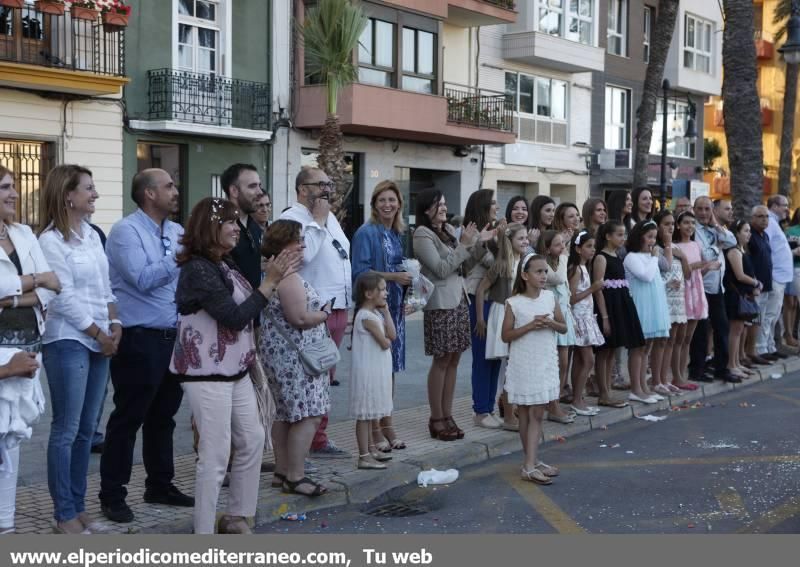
{"x": 293, "y": 517}
{"x": 561, "y": 439}
{"x": 629, "y": 452}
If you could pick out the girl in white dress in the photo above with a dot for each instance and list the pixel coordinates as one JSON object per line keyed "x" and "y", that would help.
{"x": 587, "y": 331}
{"x": 512, "y": 243}
{"x": 371, "y": 376}
{"x": 532, "y": 319}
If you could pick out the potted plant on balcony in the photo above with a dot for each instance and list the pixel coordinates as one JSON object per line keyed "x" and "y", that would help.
{"x": 84, "y": 10}
{"x": 115, "y": 14}
{"x": 53, "y": 7}
{"x": 12, "y": 3}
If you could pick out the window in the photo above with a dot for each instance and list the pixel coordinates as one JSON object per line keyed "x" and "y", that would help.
{"x": 697, "y": 35}
{"x": 540, "y": 106}
{"x": 551, "y": 13}
{"x": 677, "y": 121}
{"x": 30, "y": 161}
{"x": 419, "y": 60}
{"x": 618, "y": 27}
{"x": 581, "y": 21}
{"x": 376, "y": 53}
{"x": 648, "y": 25}
{"x": 617, "y": 119}
{"x": 199, "y": 36}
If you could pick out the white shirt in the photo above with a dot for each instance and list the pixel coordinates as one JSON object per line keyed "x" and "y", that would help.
{"x": 323, "y": 266}
{"x": 782, "y": 259}
{"x": 82, "y": 268}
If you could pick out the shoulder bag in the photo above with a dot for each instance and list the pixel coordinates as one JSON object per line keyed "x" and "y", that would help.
{"x": 318, "y": 357}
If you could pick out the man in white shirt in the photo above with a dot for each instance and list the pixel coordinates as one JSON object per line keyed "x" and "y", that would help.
{"x": 326, "y": 267}
{"x": 782, "y": 274}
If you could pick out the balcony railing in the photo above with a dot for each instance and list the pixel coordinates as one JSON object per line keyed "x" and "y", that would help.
{"x": 479, "y": 108}
{"x": 508, "y": 4}
{"x": 34, "y": 38}
{"x": 208, "y": 99}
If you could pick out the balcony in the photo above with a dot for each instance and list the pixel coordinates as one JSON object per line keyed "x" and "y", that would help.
{"x": 553, "y": 52}
{"x": 204, "y": 104}
{"x": 766, "y": 116}
{"x": 60, "y": 53}
{"x": 765, "y": 46}
{"x": 474, "y": 13}
{"x": 462, "y": 117}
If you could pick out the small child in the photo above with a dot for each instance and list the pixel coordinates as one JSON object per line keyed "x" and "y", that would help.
{"x": 532, "y": 319}
{"x": 587, "y": 332}
{"x": 371, "y": 379}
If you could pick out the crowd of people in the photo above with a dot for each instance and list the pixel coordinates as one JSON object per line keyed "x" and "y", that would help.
{"x": 245, "y": 317}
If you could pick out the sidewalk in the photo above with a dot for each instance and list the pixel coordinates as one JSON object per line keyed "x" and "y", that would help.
{"x": 347, "y": 484}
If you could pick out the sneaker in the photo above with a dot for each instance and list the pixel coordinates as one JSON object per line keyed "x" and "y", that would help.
{"x": 119, "y": 512}
{"x": 329, "y": 451}
{"x": 486, "y": 420}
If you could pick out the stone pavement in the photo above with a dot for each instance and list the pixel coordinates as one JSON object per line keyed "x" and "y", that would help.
{"x": 346, "y": 484}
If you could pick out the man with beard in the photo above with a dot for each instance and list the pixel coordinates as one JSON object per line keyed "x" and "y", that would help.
{"x": 723, "y": 211}
{"x": 326, "y": 267}
{"x": 242, "y": 186}
{"x": 141, "y": 253}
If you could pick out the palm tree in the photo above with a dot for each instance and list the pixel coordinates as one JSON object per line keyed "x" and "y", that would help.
{"x": 783, "y": 10}
{"x": 666, "y": 15}
{"x": 741, "y": 108}
{"x": 330, "y": 33}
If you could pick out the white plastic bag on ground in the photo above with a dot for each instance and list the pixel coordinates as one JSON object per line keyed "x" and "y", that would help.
{"x": 424, "y": 478}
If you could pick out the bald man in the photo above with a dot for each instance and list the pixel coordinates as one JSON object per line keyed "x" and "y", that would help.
{"x": 141, "y": 253}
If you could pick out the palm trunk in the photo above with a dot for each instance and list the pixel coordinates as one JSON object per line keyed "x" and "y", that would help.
{"x": 742, "y": 110}
{"x": 646, "y": 113}
{"x": 787, "y": 130}
{"x": 331, "y": 159}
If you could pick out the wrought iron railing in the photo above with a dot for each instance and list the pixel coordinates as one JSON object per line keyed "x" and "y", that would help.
{"x": 479, "y": 108}
{"x": 35, "y": 38}
{"x": 30, "y": 161}
{"x": 208, "y": 99}
{"x": 508, "y": 4}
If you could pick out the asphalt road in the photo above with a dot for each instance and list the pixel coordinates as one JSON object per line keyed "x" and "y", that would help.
{"x": 729, "y": 466}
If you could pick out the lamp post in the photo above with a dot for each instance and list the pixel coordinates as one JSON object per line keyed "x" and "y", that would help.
{"x": 690, "y": 134}
{"x": 791, "y": 48}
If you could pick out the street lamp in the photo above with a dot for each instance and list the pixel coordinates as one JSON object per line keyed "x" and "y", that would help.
{"x": 690, "y": 135}
{"x": 791, "y": 48}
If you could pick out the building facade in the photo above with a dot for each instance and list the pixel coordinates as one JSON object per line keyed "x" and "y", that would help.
{"x": 199, "y": 98}
{"x": 61, "y": 78}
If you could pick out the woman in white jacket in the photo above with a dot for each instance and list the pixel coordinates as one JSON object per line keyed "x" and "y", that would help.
{"x": 26, "y": 286}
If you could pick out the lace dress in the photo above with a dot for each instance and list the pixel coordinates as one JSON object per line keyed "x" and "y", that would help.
{"x": 297, "y": 395}
{"x": 676, "y": 297}
{"x": 371, "y": 377}
{"x": 587, "y": 332}
{"x": 557, "y": 283}
{"x": 534, "y": 350}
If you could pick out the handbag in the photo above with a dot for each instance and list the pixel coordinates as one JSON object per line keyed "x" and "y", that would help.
{"x": 748, "y": 308}
{"x": 318, "y": 357}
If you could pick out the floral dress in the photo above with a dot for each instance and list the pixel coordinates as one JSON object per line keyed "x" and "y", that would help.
{"x": 297, "y": 395}
{"x": 393, "y": 249}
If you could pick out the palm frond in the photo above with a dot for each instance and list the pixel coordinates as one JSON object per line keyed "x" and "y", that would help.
{"x": 783, "y": 9}
{"x": 330, "y": 34}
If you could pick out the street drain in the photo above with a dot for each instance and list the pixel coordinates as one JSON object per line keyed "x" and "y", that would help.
{"x": 395, "y": 510}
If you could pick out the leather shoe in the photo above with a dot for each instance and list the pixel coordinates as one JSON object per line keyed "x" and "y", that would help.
{"x": 172, "y": 497}
{"x": 120, "y": 513}
{"x": 731, "y": 379}
{"x": 770, "y": 357}
{"x": 779, "y": 355}
{"x": 756, "y": 359}
{"x": 701, "y": 378}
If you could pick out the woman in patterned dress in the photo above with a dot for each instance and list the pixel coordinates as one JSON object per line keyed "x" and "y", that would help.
{"x": 377, "y": 246}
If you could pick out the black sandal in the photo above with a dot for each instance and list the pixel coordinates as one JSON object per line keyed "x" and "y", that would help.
{"x": 290, "y": 487}
{"x": 278, "y": 479}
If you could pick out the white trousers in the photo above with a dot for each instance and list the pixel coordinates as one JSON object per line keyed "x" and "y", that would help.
{"x": 8, "y": 490}
{"x": 225, "y": 414}
{"x": 770, "y": 305}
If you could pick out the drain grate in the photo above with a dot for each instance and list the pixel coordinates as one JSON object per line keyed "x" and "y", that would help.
{"x": 395, "y": 510}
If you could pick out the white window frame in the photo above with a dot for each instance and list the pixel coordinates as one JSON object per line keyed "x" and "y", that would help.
{"x": 223, "y": 26}
{"x": 624, "y": 126}
{"x": 647, "y": 32}
{"x": 544, "y": 5}
{"x": 693, "y": 49}
{"x": 675, "y": 130}
{"x": 534, "y": 115}
{"x": 621, "y": 30}
{"x": 577, "y": 16}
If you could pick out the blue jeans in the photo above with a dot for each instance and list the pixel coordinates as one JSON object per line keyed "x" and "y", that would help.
{"x": 484, "y": 372}
{"x": 77, "y": 379}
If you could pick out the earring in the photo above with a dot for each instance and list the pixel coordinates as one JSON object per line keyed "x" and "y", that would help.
{"x": 71, "y": 206}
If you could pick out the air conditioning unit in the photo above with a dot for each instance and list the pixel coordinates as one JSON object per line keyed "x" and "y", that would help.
{"x": 614, "y": 159}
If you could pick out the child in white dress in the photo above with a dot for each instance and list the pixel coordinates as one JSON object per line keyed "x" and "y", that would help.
{"x": 371, "y": 376}
{"x": 532, "y": 319}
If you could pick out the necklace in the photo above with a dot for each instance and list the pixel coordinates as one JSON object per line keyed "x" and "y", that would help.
{"x": 4, "y": 231}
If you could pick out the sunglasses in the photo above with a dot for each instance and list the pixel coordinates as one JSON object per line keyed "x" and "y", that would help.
{"x": 167, "y": 244}
{"x": 342, "y": 252}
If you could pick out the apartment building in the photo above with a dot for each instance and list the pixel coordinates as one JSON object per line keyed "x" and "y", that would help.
{"x": 199, "y": 98}
{"x": 694, "y": 71}
{"x": 415, "y": 115}
{"x": 61, "y": 77}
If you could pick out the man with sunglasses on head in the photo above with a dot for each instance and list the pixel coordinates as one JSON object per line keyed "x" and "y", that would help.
{"x": 141, "y": 251}
{"x": 326, "y": 267}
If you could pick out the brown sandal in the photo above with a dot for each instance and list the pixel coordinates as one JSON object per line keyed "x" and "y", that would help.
{"x": 453, "y": 426}
{"x": 442, "y": 432}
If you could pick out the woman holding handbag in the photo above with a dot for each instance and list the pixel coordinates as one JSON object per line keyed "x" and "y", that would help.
{"x": 213, "y": 356}
{"x": 293, "y": 347}
{"x": 741, "y": 287}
